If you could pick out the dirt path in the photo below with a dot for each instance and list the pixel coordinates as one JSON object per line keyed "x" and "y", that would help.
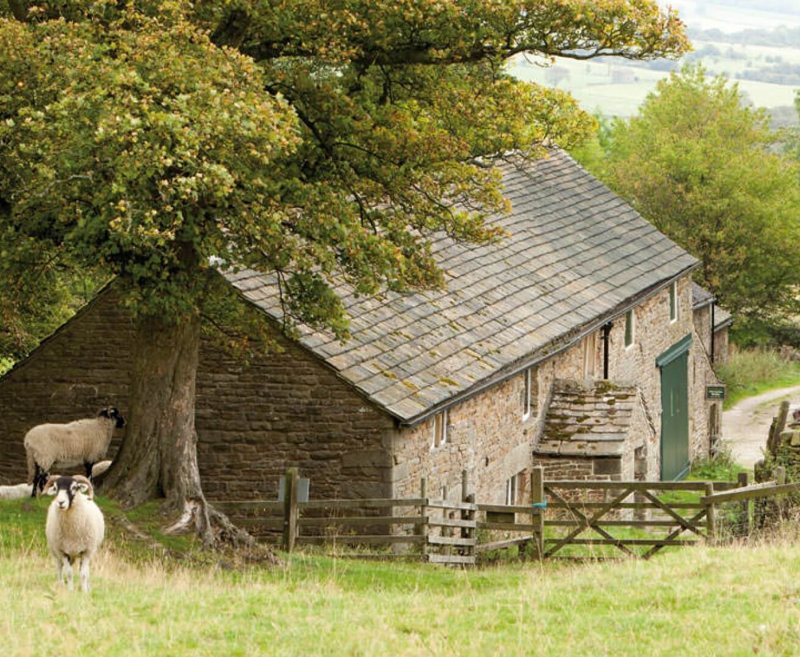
{"x": 746, "y": 425}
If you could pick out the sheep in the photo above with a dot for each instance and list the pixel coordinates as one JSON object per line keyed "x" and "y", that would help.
{"x": 99, "y": 469}
{"x": 14, "y": 492}
{"x": 82, "y": 441}
{"x": 75, "y": 526}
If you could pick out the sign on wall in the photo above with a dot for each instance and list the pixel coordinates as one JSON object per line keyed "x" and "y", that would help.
{"x": 715, "y": 392}
{"x": 302, "y": 489}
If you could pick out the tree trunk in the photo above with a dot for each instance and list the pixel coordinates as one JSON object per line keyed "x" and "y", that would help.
{"x": 159, "y": 455}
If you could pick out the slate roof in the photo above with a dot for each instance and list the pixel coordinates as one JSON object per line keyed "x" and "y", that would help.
{"x": 722, "y": 318}
{"x": 700, "y": 296}
{"x": 577, "y": 255}
{"x": 587, "y": 420}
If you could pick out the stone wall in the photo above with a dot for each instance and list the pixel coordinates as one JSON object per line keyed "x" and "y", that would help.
{"x": 702, "y": 325}
{"x": 721, "y": 346}
{"x": 488, "y": 436}
{"x": 283, "y": 410}
{"x": 287, "y": 409}
{"x": 253, "y": 421}
{"x": 654, "y": 334}
{"x": 82, "y": 367}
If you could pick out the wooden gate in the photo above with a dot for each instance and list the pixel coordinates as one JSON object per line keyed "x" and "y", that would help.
{"x": 632, "y": 504}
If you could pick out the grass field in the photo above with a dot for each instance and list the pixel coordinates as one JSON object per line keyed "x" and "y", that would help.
{"x": 597, "y": 90}
{"x": 721, "y": 601}
{"x": 753, "y": 371}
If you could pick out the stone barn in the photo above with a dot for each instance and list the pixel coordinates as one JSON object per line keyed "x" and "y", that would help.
{"x": 569, "y": 344}
{"x": 712, "y": 323}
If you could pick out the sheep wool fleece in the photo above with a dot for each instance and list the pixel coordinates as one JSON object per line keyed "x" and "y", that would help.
{"x": 76, "y": 531}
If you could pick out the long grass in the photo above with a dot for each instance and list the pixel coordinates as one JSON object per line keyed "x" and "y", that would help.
{"x": 707, "y": 601}
{"x": 753, "y": 371}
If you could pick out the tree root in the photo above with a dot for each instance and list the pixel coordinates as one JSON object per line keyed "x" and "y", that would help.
{"x": 217, "y": 532}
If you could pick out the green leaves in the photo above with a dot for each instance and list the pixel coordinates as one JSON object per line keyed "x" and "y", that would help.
{"x": 328, "y": 143}
{"x": 139, "y": 165}
{"x": 699, "y": 165}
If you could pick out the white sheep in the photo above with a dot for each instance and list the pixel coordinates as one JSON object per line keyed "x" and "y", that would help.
{"x": 98, "y": 469}
{"x": 80, "y": 442}
{"x": 14, "y": 492}
{"x": 75, "y": 526}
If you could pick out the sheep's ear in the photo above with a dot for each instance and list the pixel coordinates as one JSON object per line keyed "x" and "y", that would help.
{"x": 103, "y": 413}
{"x": 51, "y": 488}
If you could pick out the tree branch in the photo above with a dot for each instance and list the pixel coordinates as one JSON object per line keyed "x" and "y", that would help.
{"x": 19, "y": 8}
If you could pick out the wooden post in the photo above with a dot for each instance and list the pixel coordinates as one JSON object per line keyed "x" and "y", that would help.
{"x": 711, "y": 516}
{"x": 746, "y": 506}
{"x": 780, "y": 479}
{"x": 465, "y": 515}
{"x": 423, "y": 512}
{"x": 290, "y": 511}
{"x": 774, "y": 441}
{"x": 466, "y": 532}
{"x": 537, "y": 514}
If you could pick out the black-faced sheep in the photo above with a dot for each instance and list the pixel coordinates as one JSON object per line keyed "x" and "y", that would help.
{"x": 75, "y": 526}
{"x": 81, "y": 442}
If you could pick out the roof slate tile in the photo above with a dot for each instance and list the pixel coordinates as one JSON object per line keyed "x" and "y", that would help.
{"x": 575, "y": 253}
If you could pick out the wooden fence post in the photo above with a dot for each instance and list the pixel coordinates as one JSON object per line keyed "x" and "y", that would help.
{"x": 779, "y": 424}
{"x": 467, "y": 532}
{"x": 290, "y": 511}
{"x": 711, "y": 515}
{"x": 423, "y": 512}
{"x": 780, "y": 479}
{"x": 537, "y": 512}
{"x": 465, "y": 498}
{"x": 742, "y": 478}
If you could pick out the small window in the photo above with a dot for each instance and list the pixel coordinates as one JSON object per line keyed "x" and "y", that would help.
{"x": 512, "y": 485}
{"x": 589, "y": 356}
{"x": 530, "y": 393}
{"x": 439, "y": 429}
{"x": 526, "y": 395}
{"x": 673, "y": 302}
{"x": 629, "y": 328}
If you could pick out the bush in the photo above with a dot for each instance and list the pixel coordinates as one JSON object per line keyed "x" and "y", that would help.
{"x": 720, "y": 467}
{"x": 752, "y": 371}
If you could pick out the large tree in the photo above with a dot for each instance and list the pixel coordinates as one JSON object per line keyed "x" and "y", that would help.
{"x": 703, "y": 167}
{"x": 319, "y": 141}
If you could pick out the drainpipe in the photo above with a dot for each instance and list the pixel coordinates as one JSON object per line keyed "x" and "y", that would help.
{"x": 605, "y": 336}
{"x": 713, "y": 322}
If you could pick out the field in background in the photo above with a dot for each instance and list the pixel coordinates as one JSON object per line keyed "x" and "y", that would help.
{"x": 616, "y": 87}
{"x": 720, "y": 601}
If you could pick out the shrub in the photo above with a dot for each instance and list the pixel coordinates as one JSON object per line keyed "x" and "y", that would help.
{"x": 751, "y": 371}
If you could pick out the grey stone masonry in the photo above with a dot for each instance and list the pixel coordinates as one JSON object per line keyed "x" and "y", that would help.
{"x": 254, "y": 419}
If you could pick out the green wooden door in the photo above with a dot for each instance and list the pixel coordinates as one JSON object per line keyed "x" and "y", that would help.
{"x": 675, "y": 410}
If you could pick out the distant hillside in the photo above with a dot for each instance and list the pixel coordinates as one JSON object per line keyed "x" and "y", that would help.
{"x": 776, "y": 37}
